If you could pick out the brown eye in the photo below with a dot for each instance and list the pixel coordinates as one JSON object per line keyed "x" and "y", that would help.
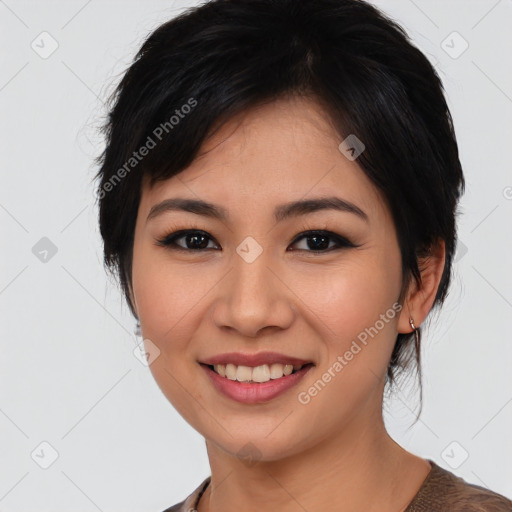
{"x": 319, "y": 241}
{"x": 194, "y": 240}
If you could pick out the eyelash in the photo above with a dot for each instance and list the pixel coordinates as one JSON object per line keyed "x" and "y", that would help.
{"x": 169, "y": 240}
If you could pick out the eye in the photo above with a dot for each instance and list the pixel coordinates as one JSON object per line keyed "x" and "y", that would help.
{"x": 319, "y": 241}
{"x": 197, "y": 240}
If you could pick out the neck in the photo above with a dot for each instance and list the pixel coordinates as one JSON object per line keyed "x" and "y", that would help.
{"x": 359, "y": 468}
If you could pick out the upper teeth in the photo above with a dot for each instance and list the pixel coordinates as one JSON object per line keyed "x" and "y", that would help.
{"x": 257, "y": 374}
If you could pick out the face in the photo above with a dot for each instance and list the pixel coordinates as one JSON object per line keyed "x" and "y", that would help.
{"x": 318, "y": 284}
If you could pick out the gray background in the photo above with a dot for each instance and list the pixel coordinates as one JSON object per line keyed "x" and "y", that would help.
{"x": 68, "y": 374}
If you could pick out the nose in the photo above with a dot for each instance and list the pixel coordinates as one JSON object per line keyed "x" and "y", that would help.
{"x": 252, "y": 298}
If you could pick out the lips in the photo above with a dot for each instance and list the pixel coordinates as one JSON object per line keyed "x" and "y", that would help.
{"x": 252, "y": 392}
{"x": 255, "y": 392}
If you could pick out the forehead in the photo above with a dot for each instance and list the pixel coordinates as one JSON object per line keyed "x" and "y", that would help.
{"x": 281, "y": 151}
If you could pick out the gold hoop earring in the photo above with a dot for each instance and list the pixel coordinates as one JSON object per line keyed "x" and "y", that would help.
{"x": 416, "y": 335}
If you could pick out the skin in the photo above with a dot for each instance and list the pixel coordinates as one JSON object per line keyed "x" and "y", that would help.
{"x": 332, "y": 453}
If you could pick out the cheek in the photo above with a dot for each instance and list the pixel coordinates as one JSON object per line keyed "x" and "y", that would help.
{"x": 353, "y": 295}
{"x": 168, "y": 295}
{"x": 169, "y": 304}
{"x": 358, "y": 310}
{"x": 358, "y": 319}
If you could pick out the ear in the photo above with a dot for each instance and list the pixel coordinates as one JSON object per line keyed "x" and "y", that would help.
{"x": 419, "y": 300}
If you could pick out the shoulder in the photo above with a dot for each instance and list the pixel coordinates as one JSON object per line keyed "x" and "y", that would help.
{"x": 175, "y": 508}
{"x": 443, "y": 491}
{"x": 189, "y": 504}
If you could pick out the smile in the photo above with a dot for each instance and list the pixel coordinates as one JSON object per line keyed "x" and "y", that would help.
{"x": 259, "y": 374}
{"x": 274, "y": 380}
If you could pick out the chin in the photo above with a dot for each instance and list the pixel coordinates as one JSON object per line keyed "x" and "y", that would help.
{"x": 256, "y": 446}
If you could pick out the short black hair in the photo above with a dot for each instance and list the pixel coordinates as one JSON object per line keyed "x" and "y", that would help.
{"x": 196, "y": 71}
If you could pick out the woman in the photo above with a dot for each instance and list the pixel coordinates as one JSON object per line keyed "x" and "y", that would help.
{"x": 278, "y": 197}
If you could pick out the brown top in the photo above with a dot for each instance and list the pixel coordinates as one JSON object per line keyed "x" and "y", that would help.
{"x": 441, "y": 491}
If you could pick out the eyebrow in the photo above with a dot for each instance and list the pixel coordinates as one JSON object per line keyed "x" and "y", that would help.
{"x": 281, "y": 212}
